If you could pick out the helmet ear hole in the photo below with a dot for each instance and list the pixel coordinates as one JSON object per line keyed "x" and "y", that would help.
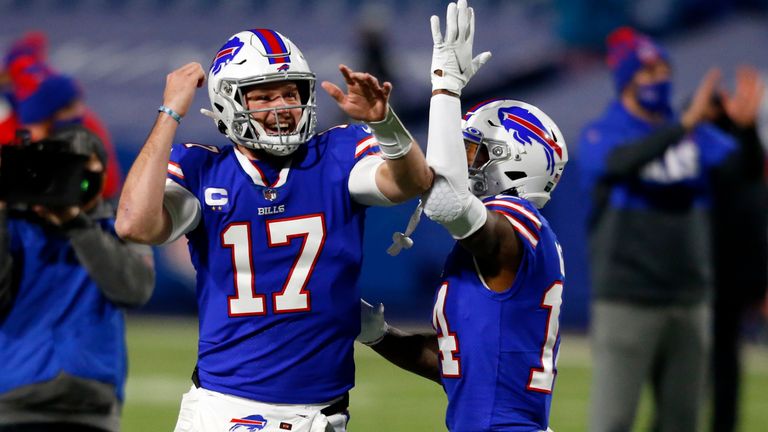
{"x": 303, "y": 86}
{"x": 514, "y": 175}
{"x": 222, "y": 127}
{"x": 219, "y": 107}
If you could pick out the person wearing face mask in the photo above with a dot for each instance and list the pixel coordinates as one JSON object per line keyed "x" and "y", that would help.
{"x": 65, "y": 278}
{"x": 57, "y": 101}
{"x": 648, "y": 170}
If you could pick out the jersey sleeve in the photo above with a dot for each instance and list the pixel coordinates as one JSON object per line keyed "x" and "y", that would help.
{"x": 596, "y": 142}
{"x": 357, "y": 152}
{"x": 525, "y": 219}
{"x": 365, "y": 143}
{"x": 351, "y": 143}
{"x": 714, "y": 145}
{"x": 186, "y": 162}
{"x": 181, "y": 198}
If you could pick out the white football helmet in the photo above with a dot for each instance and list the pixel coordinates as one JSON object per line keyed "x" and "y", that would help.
{"x": 513, "y": 147}
{"x": 254, "y": 57}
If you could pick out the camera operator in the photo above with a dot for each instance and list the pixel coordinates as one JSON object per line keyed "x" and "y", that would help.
{"x": 64, "y": 279}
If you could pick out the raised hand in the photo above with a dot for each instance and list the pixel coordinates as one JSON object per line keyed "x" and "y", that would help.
{"x": 180, "y": 86}
{"x": 365, "y": 99}
{"x": 743, "y": 106}
{"x": 701, "y": 104}
{"x": 452, "y": 61}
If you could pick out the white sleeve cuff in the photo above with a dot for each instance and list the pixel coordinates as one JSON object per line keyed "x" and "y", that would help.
{"x": 362, "y": 183}
{"x": 183, "y": 208}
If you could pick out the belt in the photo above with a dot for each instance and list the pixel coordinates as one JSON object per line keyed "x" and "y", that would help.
{"x": 337, "y": 407}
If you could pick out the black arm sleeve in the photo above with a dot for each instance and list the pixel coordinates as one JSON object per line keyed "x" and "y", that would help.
{"x": 124, "y": 272}
{"x": 752, "y": 154}
{"x": 415, "y": 353}
{"x": 626, "y": 160}
{"x": 746, "y": 164}
{"x": 6, "y": 267}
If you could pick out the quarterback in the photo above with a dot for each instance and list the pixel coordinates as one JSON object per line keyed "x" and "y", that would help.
{"x": 275, "y": 228}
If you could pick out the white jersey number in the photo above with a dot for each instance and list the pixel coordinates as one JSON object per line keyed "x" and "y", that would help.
{"x": 542, "y": 379}
{"x": 447, "y": 341}
{"x": 280, "y": 232}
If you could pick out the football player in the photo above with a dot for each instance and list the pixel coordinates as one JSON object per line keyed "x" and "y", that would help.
{"x": 496, "y": 312}
{"x": 275, "y": 229}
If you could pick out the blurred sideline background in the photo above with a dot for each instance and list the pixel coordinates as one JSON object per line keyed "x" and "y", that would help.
{"x": 546, "y": 52}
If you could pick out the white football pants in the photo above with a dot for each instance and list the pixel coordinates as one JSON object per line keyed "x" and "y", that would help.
{"x": 209, "y": 411}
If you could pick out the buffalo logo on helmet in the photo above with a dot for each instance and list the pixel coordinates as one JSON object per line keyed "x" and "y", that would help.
{"x": 284, "y": 67}
{"x": 226, "y": 54}
{"x": 527, "y": 129}
{"x": 248, "y": 424}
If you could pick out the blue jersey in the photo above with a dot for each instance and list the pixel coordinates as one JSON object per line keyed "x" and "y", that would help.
{"x": 60, "y": 320}
{"x": 278, "y": 252}
{"x": 498, "y": 350}
{"x": 679, "y": 175}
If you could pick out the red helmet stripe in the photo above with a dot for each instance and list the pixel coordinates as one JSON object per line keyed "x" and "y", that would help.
{"x": 540, "y": 133}
{"x": 273, "y": 44}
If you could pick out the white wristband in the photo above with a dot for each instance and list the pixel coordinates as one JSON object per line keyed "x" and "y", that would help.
{"x": 394, "y": 139}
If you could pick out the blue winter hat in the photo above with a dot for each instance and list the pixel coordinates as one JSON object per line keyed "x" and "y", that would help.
{"x": 53, "y": 94}
{"x": 628, "y": 52}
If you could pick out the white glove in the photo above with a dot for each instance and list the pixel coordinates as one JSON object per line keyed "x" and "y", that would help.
{"x": 373, "y": 327}
{"x": 452, "y": 55}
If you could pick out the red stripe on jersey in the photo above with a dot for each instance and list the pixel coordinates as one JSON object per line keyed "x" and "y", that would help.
{"x": 518, "y": 208}
{"x": 521, "y": 228}
{"x": 175, "y": 169}
{"x": 364, "y": 145}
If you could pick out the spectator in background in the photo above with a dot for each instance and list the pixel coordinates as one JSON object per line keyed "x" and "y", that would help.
{"x": 648, "y": 170}
{"x": 7, "y": 118}
{"x": 24, "y": 67}
{"x": 740, "y": 235}
{"x": 375, "y": 20}
{"x": 44, "y": 100}
{"x": 64, "y": 278}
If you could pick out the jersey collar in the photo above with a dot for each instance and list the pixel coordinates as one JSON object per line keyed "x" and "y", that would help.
{"x": 257, "y": 176}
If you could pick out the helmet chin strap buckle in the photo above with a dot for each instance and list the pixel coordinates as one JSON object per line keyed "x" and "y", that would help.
{"x": 477, "y": 182}
{"x": 208, "y": 113}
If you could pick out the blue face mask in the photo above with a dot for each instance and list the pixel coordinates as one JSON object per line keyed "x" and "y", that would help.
{"x": 655, "y": 97}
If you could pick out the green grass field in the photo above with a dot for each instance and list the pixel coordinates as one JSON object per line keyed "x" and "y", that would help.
{"x": 162, "y": 355}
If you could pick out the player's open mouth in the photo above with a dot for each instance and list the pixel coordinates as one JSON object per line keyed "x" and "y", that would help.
{"x": 283, "y": 128}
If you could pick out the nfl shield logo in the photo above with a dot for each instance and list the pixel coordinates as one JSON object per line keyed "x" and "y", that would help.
{"x": 270, "y": 194}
